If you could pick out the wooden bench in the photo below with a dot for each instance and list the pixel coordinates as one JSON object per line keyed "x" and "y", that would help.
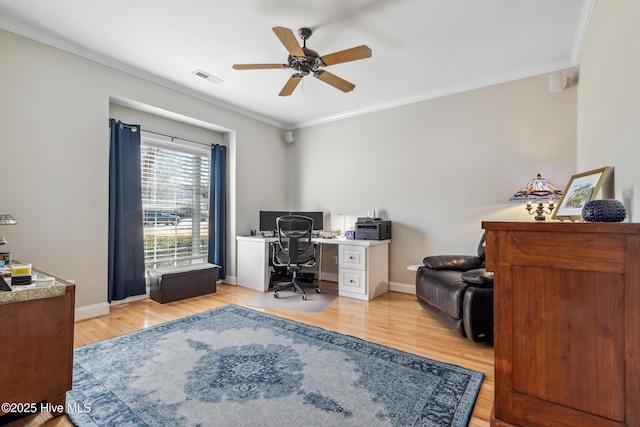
{"x": 183, "y": 281}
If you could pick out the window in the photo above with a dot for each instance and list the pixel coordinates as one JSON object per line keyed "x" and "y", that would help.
{"x": 175, "y": 202}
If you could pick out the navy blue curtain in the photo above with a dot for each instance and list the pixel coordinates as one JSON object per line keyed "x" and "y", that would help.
{"x": 126, "y": 247}
{"x": 218, "y": 209}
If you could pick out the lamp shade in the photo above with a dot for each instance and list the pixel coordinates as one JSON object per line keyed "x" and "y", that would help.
{"x": 7, "y": 219}
{"x": 537, "y": 190}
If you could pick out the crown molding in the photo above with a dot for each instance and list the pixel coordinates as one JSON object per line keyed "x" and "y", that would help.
{"x": 84, "y": 53}
{"x": 452, "y": 90}
{"x": 583, "y": 27}
{"x": 573, "y": 61}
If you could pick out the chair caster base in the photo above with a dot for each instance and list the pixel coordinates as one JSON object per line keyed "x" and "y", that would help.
{"x": 295, "y": 288}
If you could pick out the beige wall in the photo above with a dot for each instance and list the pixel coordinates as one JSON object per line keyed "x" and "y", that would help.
{"x": 435, "y": 168}
{"x": 165, "y": 125}
{"x": 609, "y": 98}
{"x": 54, "y": 113}
{"x": 438, "y": 168}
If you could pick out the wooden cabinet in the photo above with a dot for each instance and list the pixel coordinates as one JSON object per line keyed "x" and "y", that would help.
{"x": 36, "y": 350}
{"x": 567, "y": 323}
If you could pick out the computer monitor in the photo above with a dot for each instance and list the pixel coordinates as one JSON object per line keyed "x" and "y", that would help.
{"x": 316, "y": 216}
{"x": 268, "y": 219}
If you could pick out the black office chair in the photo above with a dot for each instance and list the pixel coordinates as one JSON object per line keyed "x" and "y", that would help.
{"x": 294, "y": 250}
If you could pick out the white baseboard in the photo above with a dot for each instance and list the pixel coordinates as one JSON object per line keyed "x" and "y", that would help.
{"x": 330, "y": 277}
{"x": 131, "y": 299}
{"x": 402, "y": 287}
{"x": 230, "y": 280}
{"x": 89, "y": 311}
{"x": 103, "y": 308}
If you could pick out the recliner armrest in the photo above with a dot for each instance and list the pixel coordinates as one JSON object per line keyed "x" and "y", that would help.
{"x": 477, "y": 314}
{"x": 452, "y": 262}
{"x": 479, "y": 277}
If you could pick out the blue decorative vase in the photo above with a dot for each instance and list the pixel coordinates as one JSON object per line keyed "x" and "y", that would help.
{"x": 604, "y": 211}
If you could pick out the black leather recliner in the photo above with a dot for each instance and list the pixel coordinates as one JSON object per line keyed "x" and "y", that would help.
{"x": 459, "y": 290}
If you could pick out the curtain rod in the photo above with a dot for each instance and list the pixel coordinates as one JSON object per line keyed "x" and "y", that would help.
{"x": 177, "y": 137}
{"x": 134, "y": 128}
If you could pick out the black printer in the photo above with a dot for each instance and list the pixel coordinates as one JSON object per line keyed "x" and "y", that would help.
{"x": 372, "y": 229}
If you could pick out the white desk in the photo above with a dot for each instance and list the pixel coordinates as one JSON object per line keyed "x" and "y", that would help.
{"x": 363, "y": 265}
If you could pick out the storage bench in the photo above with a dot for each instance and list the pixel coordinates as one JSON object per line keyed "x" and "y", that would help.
{"x": 183, "y": 281}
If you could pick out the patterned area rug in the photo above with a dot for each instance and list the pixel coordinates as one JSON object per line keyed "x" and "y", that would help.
{"x": 234, "y": 366}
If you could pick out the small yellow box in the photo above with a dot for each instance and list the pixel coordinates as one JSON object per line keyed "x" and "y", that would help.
{"x": 21, "y": 270}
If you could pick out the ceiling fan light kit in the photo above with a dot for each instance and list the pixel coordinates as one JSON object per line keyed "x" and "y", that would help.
{"x": 305, "y": 61}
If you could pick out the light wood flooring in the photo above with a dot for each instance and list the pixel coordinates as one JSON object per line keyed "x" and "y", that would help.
{"x": 394, "y": 319}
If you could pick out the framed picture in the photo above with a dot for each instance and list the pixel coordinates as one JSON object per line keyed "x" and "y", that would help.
{"x": 581, "y": 189}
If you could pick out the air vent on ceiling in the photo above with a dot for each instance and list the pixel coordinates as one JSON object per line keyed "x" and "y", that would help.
{"x": 208, "y": 77}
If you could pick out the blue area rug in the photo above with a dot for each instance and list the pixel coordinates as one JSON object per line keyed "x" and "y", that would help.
{"x": 234, "y": 366}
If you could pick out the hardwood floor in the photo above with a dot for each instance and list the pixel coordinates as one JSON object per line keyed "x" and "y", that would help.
{"x": 394, "y": 319}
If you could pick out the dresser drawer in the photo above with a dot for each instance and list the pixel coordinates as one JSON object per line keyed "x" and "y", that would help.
{"x": 352, "y": 257}
{"x": 353, "y": 281}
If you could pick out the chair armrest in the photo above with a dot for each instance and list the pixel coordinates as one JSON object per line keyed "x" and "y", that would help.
{"x": 311, "y": 262}
{"x": 477, "y": 314}
{"x": 479, "y": 277}
{"x": 453, "y": 262}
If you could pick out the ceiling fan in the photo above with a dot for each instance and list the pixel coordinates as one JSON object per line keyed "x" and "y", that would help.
{"x": 306, "y": 61}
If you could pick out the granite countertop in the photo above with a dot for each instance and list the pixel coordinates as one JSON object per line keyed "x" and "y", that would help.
{"x": 25, "y": 293}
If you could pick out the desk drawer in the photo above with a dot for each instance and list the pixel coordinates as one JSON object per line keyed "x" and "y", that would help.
{"x": 354, "y": 281}
{"x": 352, "y": 257}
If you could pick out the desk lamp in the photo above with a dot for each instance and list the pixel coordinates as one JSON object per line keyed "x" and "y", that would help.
{"x": 539, "y": 191}
{"x": 6, "y": 219}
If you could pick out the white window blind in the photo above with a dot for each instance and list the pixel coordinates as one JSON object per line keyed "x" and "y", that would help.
{"x": 175, "y": 202}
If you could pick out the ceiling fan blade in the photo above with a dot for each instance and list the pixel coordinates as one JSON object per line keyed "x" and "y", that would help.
{"x": 291, "y": 85}
{"x": 289, "y": 40}
{"x": 334, "y": 81}
{"x": 258, "y": 66}
{"x": 353, "y": 54}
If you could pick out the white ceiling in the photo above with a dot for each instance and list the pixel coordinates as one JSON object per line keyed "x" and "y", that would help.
{"x": 421, "y": 48}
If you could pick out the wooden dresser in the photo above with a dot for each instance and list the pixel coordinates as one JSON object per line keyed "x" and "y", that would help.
{"x": 567, "y": 323}
{"x": 36, "y": 350}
